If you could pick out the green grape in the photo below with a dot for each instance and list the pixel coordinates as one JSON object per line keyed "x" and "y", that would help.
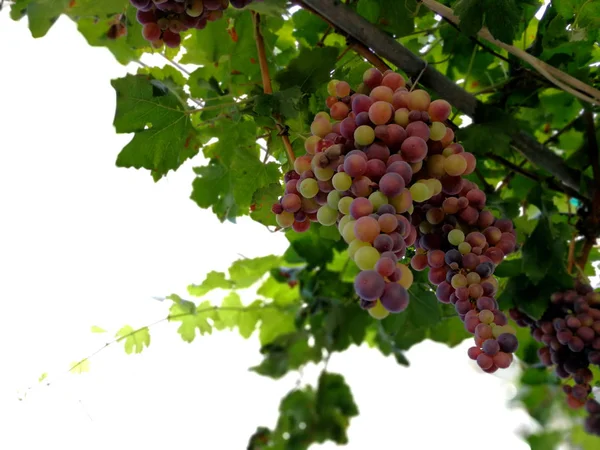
{"x": 343, "y": 222}
{"x": 323, "y": 174}
{"x": 320, "y": 127}
{"x": 486, "y": 316}
{"x": 366, "y": 257}
{"x": 309, "y": 188}
{"x": 344, "y": 205}
{"x": 327, "y": 216}
{"x": 420, "y": 192}
{"x": 354, "y": 246}
{"x": 458, "y": 281}
{"x": 455, "y": 165}
{"x": 342, "y": 181}
{"x": 331, "y": 87}
{"x": 378, "y": 311}
{"x": 285, "y": 219}
{"x": 437, "y": 131}
{"x": 402, "y": 202}
{"x": 364, "y": 135}
{"x": 333, "y": 198}
{"x": 348, "y": 232}
{"x": 434, "y": 185}
{"x": 407, "y": 277}
{"x": 456, "y": 237}
{"x": 464, "y": 247}
{"x": 377, "y": 199}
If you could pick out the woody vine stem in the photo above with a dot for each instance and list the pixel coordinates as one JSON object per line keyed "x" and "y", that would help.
{"x": 267, "y": 86}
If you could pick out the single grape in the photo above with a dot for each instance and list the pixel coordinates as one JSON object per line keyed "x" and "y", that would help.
{"x": 394, "y": 298}
{"x": 369, "y": 285}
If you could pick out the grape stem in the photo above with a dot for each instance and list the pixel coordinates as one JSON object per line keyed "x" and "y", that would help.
{"x": 267, "y": 86}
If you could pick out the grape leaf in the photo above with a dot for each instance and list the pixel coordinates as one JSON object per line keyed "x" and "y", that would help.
{"x": 41, "y": 13}
{"x": 471, "y": 15}
{"x": 164, "y": 136}
{"x": 309, "y": 70}
{"x": 214, "y": 280}
{"x": 500, "y": 16}
{"x": 77, "y": 368}
{"x": 134, "y": 340}
{"x": 235, "y": 172}
{"x": 97, "y": 8}
{"x": 390, "y": 15}
{"x": 308, "y": 27}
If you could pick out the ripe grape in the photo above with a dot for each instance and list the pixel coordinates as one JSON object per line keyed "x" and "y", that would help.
{"x": 369, "y": 285}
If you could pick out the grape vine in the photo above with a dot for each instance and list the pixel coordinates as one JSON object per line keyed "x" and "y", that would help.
{"x": 388, "y": 173}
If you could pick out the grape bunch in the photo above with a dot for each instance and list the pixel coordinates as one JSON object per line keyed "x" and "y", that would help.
{"x": 461, "y": 243}
{"x": 384, "y": 168}
{"x": 570, "y": 332}
{"x": 164, "y": 20}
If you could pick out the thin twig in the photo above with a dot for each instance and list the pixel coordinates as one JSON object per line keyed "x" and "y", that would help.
{"x": 487, "y": 187}
{"x": 567, "y": 127}
{"x": 552, "y": 184}
{"x": 322, "y": 40}
{"x": 175, "y": 64}
{"x": 571, "y": 257}
{"x": 170, "y": 317}
{"x": 267, "y": 86}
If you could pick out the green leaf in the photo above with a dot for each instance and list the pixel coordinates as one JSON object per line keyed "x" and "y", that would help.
{"x": 471, "y": 14}
{"x": 309, "y": 70}
{"x": 545, "y": 440}
{"x": 275, "y": 323}
{"x": 502, "y": 17}
{"x": 230, "y": 310}
{"x": 164, "y": 136}
{"x": 97, "y": 329}
{"x": 423, "y": 309}
{"x": 510, "y": 268}
{"x": 247, "y": 271}
{"x": 97, "y": 8}
{"x": 214, "y": 280}
{"x": 308, "y": 27}
{"x": 135, "y": 340}
{"x": 78, "y": 368}
{"x": 41, "y": 13}
{"x": 235, "y": 171}
{"x": 390, "y": 15}
{"x": 248, "y": 320}
{"x": 543, "y": 252}
{"x": 282, "y": 293}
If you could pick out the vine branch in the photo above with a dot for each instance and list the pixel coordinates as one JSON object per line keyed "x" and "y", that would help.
{"x": 557, "y": 77}
{"x": 267, "y": 86}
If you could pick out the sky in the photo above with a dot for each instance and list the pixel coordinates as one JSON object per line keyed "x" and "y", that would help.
{"x": 85, "y": 243}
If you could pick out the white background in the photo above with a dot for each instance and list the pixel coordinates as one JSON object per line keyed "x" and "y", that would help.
{"x": 84, "y": 243}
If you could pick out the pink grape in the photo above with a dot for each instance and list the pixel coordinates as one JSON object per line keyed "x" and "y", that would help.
{"x": 391, "y": 184}
{"x": 414, "y": 149}
{"x": 355, "y": 166}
